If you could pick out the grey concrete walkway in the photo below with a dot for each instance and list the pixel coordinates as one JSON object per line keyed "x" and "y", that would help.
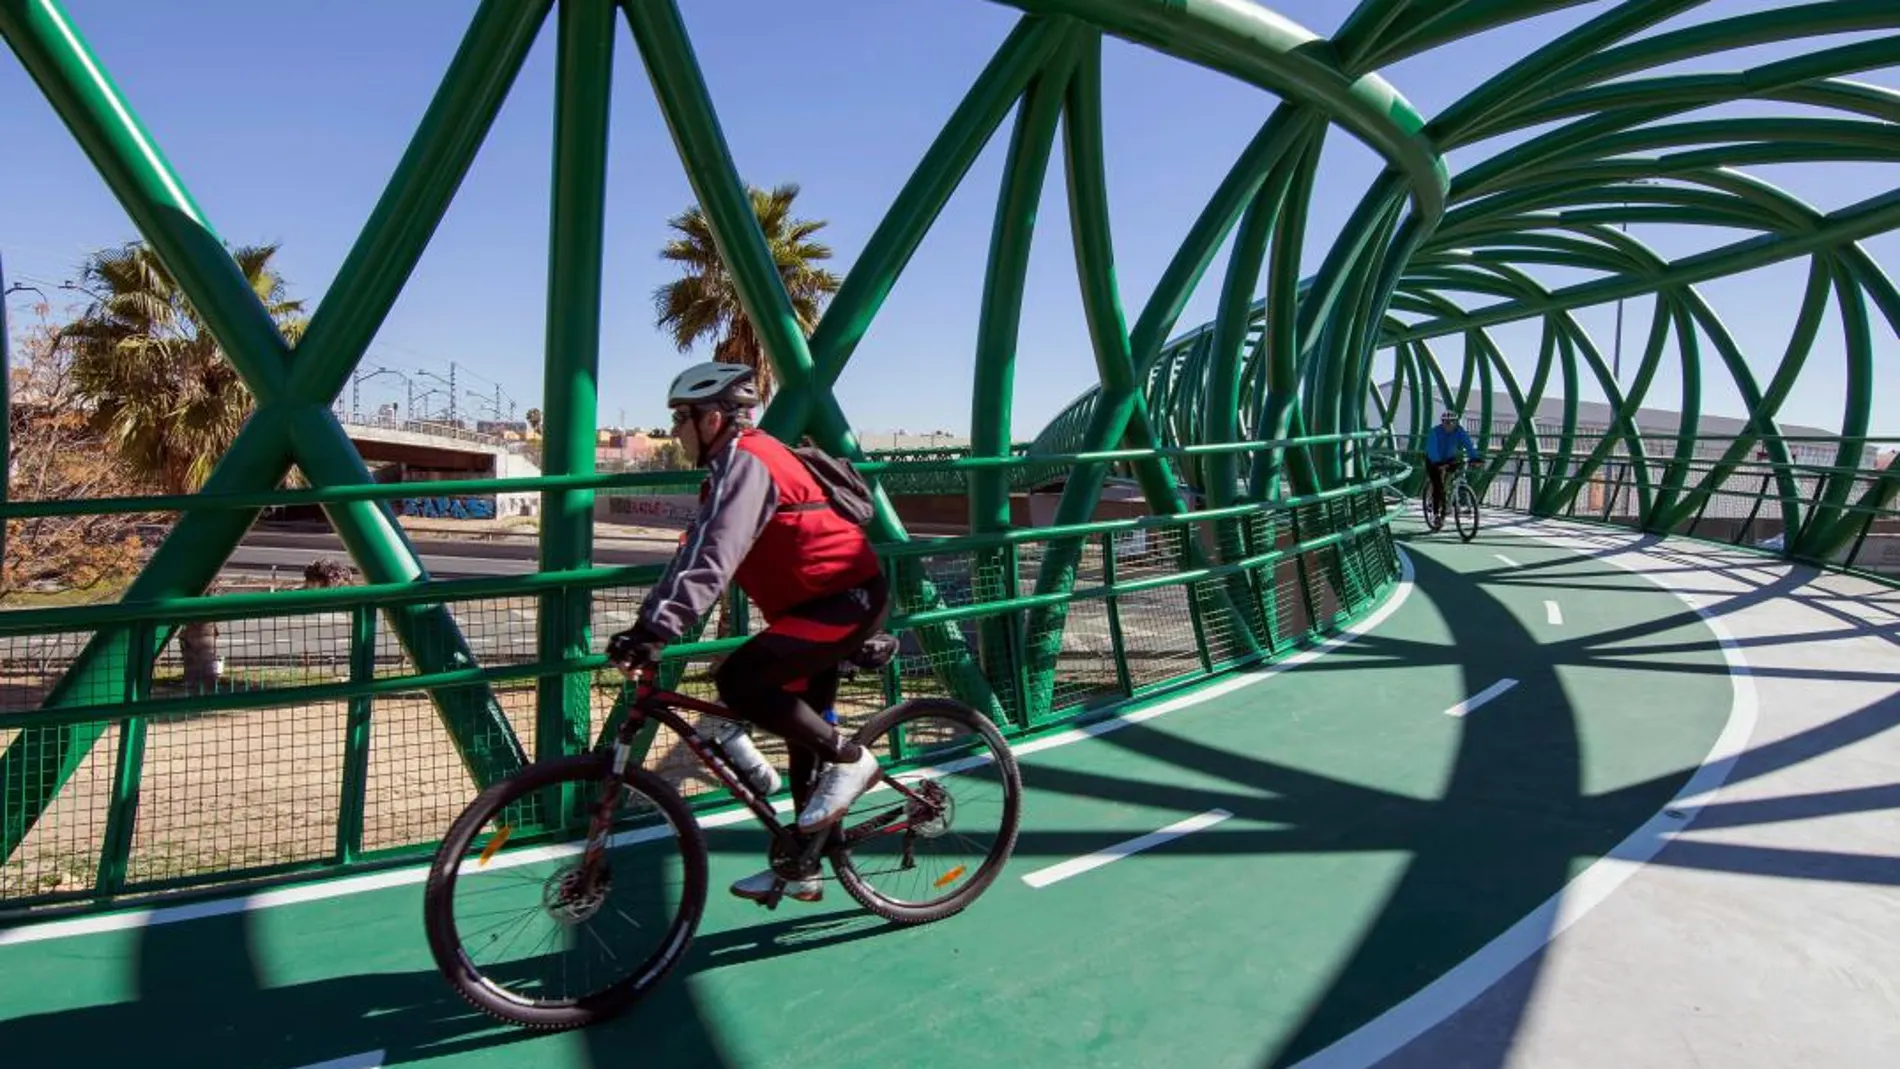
{"x": 1764, "y": 932}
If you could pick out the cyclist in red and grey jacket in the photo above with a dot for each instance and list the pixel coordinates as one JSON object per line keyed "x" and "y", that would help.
{"x": 765, "y": 523}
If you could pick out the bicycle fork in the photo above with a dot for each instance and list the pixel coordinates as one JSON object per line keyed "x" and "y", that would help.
{"x": 603, "y": 817}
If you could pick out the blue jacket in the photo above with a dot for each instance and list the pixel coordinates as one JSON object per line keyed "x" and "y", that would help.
{"x": 1441, "y": 446}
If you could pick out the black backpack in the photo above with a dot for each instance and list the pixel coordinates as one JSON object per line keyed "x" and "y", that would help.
{"x": 846, "y": 492}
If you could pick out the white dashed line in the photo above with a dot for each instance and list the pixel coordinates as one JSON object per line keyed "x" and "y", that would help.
{"x": 1077, "y": 866}
{"x": 1472, "y": 703}
{"x": 371, "y": 1060}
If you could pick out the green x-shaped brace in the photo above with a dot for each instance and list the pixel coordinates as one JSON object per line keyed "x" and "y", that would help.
{"x": 292, "y": 423}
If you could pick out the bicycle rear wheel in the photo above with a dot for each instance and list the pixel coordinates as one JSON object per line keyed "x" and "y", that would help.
{"x": 646, "y": 889}
{"x": 926, "y": 854}
{"x": 1465, "y": 511}
{"x": 1434, "y": 519}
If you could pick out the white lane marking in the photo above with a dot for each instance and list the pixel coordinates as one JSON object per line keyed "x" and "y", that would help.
{"x": 377, "y": 881}
{"x": 1553, "y": 614}
{"x": 1385, "y": 1034}
{"x": 1472, "y": 703}
{"x": 1508, "y": 562}
{"x": 370, "y": 1060}
{"x": 1079, "y": 865}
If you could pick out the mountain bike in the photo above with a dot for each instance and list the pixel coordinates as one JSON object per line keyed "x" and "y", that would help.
{"x": 1463, "y": 500}
{"x": 591, "y": 857}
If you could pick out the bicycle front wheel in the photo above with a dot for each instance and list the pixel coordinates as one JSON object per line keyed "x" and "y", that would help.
{"x": 543, "y": 936}
{"x": 929, "y": 846}
{"x": 1465, "y": 512}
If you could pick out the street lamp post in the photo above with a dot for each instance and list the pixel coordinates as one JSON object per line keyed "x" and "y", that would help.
{"x": 357, "y": 379}
{"x": 448, "y": 382}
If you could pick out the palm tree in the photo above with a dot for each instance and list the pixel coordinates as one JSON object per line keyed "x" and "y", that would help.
{"x": 704, "y": 302}
{"x": 161, "y": 390}
{"x": 534, "y": 421}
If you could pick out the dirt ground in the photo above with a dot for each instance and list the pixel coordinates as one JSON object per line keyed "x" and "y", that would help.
{"x": 227, "y": 791}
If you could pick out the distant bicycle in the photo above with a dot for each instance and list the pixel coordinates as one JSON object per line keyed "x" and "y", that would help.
{"x": 1462, "y": 498}
{"x": 605, "y": 898}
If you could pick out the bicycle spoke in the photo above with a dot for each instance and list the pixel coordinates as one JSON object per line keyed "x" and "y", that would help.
{"x": 546, "y": 930}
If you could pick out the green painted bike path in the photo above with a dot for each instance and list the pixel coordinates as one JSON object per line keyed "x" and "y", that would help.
{"x": 1374, "y": 842}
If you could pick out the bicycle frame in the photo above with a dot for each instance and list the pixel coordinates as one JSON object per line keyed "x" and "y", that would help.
{"x": 798, "y": 851}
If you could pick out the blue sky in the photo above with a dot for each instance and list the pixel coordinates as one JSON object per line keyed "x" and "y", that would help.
{"x": 285, "y": 121}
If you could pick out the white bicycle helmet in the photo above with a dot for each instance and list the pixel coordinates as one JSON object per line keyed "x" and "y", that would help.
{"x": 714, "y": 383}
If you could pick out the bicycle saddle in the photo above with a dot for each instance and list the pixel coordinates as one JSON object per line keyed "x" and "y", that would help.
{"x": 876, "y": 652}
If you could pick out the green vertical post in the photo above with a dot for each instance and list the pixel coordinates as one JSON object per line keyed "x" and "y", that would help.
{"x": 1115, "y": 641}
{"x": 356, "y": 738}
{"x": 665, "y": 50}
{"x": 115, "y": 845}
{"x": 569, "y": 402}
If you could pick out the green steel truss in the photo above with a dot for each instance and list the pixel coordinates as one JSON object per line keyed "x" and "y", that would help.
{"x": 1263, "y": 444}
{"x": 1605, "y": 136}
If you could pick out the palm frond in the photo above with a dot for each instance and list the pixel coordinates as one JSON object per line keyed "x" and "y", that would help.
{"x": 703, "y": 304}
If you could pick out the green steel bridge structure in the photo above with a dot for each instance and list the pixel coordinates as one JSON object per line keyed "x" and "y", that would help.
{"x": 1275, "y": 447}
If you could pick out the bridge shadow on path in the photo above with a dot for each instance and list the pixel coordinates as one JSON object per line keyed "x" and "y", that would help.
{"x": 1511, "y": 827}
{"x": 202, "y": 1001}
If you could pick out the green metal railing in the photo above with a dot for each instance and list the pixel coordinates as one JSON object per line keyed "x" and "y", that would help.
{"x": 1247, "y": 437}
{"x": 1756, "y": 504}
{"x": 328, "y": 745}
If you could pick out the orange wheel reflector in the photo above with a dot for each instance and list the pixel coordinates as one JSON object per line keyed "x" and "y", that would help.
{"x": 495, "y": 843}
{"x": 950, "y": 877}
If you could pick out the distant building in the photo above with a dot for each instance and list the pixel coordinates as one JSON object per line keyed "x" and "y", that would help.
{"x": 616, "y": 447}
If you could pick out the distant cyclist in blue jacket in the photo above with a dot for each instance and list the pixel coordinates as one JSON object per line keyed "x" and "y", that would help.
{"x": 1443, "y": 444}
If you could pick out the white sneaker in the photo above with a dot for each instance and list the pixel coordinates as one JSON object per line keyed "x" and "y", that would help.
{"x": 759, "y": 887}
{"x": 838, "y": 787}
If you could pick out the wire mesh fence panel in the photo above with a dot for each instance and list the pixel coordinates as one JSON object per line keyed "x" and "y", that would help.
{"x": 235, "y": 788}
{"x": 1158, "y": 635}
{"x": 1085, "y": 667}
{"x": 417, "y": 779}
{"x": 229, "y": 791}
{"x": 1320, "y": 566}
{"x": 610, "y": 610}
{"x": 1232, "y": 626}
{"x": 32, "y": 666}
{"x": 60, "y": 852}
{"x": 1292, "y": 619}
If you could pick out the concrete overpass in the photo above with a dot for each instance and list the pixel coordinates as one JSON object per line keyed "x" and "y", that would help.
{"x": 422, "y": 451}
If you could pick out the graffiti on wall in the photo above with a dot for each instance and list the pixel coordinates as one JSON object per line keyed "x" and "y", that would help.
{"x": 447, "y": 508}
{"x": 659, "y": 510}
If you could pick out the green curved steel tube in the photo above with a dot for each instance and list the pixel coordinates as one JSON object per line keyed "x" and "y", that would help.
{"x": 1305, "y": 397}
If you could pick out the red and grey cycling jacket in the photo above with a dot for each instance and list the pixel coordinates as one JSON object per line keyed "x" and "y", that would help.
{"x": 763, "y": 523}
